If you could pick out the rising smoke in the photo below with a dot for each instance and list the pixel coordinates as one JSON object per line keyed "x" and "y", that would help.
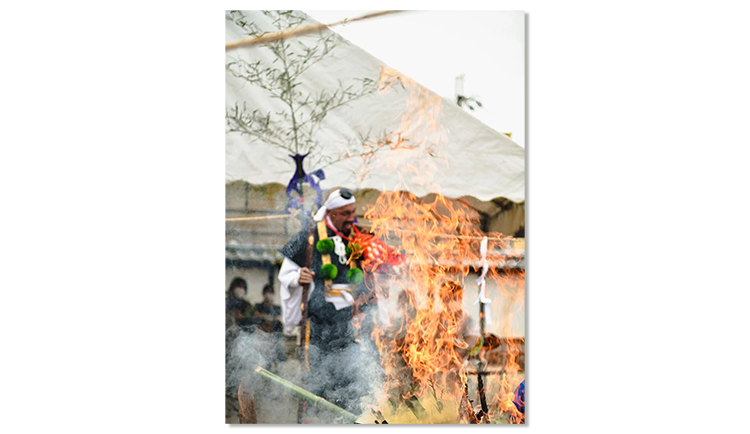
{"x": 358, "y": 365}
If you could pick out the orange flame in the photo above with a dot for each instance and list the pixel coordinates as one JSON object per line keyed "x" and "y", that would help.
{"x": 426, "y": 346}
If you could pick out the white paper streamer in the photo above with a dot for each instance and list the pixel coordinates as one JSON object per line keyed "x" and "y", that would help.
{"x": 482, "y": 283}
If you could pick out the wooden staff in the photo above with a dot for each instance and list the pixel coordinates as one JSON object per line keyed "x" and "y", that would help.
{"x": 304, "y": 326}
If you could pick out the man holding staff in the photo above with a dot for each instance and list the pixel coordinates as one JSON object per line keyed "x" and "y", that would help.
{"x": 335, "y": 281}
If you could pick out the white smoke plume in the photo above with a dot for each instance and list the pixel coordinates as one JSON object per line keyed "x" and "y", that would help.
{"x": 274, "y": 405}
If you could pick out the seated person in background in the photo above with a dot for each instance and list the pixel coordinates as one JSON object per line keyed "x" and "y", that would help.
{"x": 267, "y": 318}
{"x": 238, "y": 309}
{"x": 268, "y": 315}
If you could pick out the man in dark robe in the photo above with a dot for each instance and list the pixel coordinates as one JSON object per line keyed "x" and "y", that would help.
{"x": 335, "y": 282}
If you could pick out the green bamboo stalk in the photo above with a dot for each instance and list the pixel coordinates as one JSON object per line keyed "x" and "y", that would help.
{"x": 306, "y": 396}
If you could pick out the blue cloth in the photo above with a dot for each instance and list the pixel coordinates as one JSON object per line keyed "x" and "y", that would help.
{"x": 299, "y": 178}
{"x": 520, "y": 397}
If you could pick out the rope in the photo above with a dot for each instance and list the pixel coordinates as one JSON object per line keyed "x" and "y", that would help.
{"x": 462, "y": 237}
{"x": 466, "y": 237}
{"x": 254, "y": 40}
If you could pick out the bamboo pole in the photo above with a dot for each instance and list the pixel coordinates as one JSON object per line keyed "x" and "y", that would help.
{"x": 244, "y": 219}
{"x": 253, "y": 40}
{"x": 482, "y": 399}
{"x": 306, "y": 396}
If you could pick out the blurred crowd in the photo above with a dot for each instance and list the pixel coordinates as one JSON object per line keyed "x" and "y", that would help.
{"x": 251, "y": 329}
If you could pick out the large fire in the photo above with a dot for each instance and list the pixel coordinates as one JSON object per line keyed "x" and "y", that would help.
{"x": 428, "y": 353}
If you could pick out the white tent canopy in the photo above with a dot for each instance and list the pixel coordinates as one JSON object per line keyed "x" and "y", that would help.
{"x": 474, "y": 160}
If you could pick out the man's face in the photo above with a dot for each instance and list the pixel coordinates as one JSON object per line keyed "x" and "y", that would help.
{"x": 343, "y": 218}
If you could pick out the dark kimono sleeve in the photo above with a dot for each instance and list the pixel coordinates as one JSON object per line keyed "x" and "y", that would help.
{"x": 296, "y": 248}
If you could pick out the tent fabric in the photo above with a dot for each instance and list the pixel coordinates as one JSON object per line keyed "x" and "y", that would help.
{"x": 473, "y": 159}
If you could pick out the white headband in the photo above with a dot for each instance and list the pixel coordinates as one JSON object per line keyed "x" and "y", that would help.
{"x": 334, "y": 201}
